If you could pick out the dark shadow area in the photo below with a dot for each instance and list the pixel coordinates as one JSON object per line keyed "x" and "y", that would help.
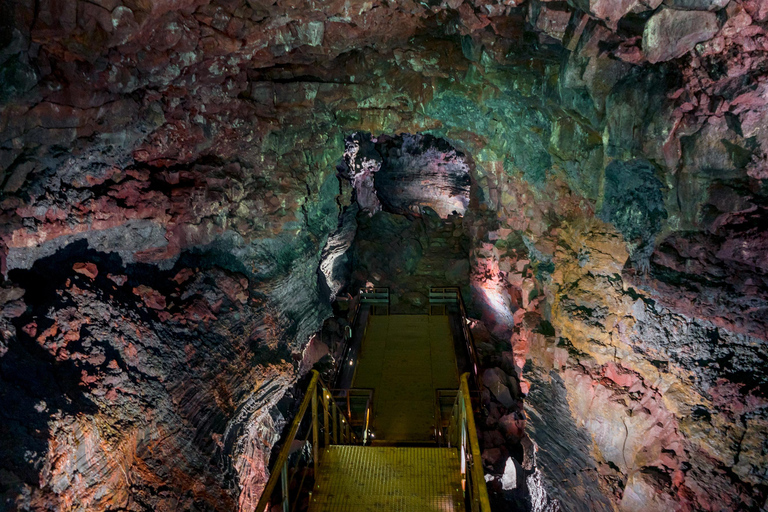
{"x": 34, "y": 384}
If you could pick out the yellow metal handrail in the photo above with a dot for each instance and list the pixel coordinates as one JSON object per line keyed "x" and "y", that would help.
{"x": 463, "y": 435}
{"x": 335, "y": 427}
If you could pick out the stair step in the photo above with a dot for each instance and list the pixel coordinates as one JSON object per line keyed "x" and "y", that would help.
{"x": 373, "y": 478}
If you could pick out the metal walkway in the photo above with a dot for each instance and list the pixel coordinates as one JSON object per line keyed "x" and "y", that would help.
{"x": 425, "y": 456}
{"x": 405, "y": 359}
{"x": 391, "y": 479}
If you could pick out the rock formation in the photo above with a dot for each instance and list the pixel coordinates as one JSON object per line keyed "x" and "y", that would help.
{"x": 187, "y": 185}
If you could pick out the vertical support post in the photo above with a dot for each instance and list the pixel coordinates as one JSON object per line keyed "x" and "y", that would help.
{"x": 315, "y": 433}
{"x": 462, "y": 445}
{"x": 284, "y": 478}
{"x": 478, "y": 489}
{"x": 335, "y": 425}
{"x": 326, "y": 434}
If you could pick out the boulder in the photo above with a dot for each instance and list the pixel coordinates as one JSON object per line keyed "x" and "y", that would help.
{"x": 553, "y": 22}
{"x": 10, "y": 293}
{"x": 611, "y": 11}
{"x": 496, "y": 381}
{"x": 513, "y": 476}
{"x": 151, "y": 297}
{"x": 670, "y": 33}
{"x": 491, "y": 456}
{"x": 88, "y": 269}
{"x": 493, "y": 439}
{"x": 697, "y": 5}
{"x": 513, "y": 425}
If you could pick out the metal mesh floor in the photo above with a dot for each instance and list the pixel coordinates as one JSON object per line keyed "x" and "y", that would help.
{"x": 388, "y": 479}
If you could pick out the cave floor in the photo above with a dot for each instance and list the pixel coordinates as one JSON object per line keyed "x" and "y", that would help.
{"x": 405, "y": 359}
{"x": 376, "y": 478}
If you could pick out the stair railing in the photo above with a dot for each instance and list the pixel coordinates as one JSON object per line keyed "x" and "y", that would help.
{"x": 462, "y": 434}
{"x": 299, "y": 458}
{"x": 440, "y": 296}
{"x": 377, "y": 297}
{"x": 357, "y": 403}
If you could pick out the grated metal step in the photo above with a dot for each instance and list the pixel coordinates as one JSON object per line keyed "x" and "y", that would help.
{"x": 392, "y": 479}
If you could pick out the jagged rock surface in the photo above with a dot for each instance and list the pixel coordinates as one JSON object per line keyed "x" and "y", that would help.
{"x": 168, "y": 174}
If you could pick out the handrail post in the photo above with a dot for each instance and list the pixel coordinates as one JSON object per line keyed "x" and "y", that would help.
{"x": 335, "y": 424}
{"x": 326, "y": 434}
{"x": 285, "y": 451}
{"x": 284, "y": 478}
{"x": 315, "y": 433}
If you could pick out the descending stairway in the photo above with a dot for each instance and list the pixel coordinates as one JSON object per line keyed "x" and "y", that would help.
{"x": 424, "y": 457}
{"x": 392, "y": 479}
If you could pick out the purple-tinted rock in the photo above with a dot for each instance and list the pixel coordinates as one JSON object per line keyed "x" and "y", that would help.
{"x": 496, "y": 381}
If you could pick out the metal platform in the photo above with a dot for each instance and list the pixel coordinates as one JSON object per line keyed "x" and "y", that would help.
{"x": 406, "y": 359}
{"x": 392, "y": 479}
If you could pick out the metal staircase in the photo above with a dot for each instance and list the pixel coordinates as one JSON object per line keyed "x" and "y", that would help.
{"x": 387, "y": 478}
{"x": 327, "y": 465}
{"x": 330, "y": 469}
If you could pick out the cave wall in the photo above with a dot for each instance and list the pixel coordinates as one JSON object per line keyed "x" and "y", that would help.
{"x": 188, "y": 150}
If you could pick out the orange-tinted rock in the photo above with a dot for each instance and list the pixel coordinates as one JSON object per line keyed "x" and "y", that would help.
{"x": 88, "y": 269}
{"x": 151, "y": 297}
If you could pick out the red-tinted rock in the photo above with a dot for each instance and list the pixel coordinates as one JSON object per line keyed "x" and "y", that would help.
{"x": 513, "y": 425}
{"x": 491, "y": 456}
{"x": 671, "y": 33}
{"x": 151, "y": 297}
{"x": 87, "y": 269}
{"x": 183, "y": 275}
{"x": 30, "y": 329}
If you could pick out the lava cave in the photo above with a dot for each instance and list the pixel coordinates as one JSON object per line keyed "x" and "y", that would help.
{"x": 216, "y": 212}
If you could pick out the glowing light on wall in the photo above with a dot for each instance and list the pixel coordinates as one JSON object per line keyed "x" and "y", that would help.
{"x": 497, "y": 298}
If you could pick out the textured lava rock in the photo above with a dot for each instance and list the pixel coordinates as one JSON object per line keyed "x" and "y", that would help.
{"x": 420, "y": 171}
{"x": 405, "y": 173}
{"x": 189, "y": 151}
{"x": 671, "y": 33}
{"x": 562, "y": 444}
{"x": 632, "y": 201}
